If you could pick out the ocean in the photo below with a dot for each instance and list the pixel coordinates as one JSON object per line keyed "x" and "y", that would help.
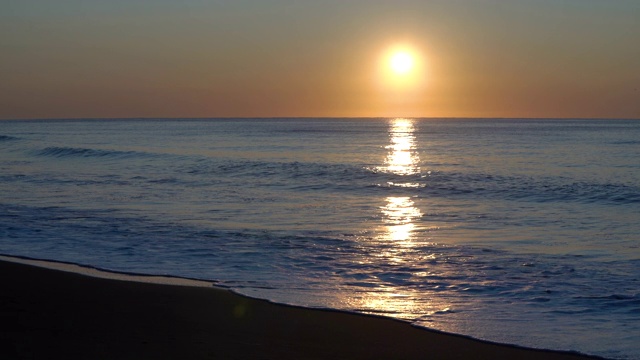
{"x": 518, "y": 231}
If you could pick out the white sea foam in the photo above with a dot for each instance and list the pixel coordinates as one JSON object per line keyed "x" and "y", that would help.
{"x": 101, "y": 274}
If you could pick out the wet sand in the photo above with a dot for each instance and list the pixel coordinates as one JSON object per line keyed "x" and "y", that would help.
{"x": 52, "y": 314}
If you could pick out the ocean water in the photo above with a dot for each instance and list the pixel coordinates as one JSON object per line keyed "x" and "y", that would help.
{"x": 517, "y": 231}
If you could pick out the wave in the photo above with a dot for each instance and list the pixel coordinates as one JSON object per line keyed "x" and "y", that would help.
{"x": 304, "y": 176}
{"x": 626, "y": 142}
{"x": 7, "y": 138}
{"x": 529, "y": 188}
{"x": 293, "y": 173}
{"x": 262, "y": 259}
{"x": 62, "y": 152}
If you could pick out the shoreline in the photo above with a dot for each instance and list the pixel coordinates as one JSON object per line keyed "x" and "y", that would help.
{"x": 60, "y": 313}
{"x": 96, "y": 272}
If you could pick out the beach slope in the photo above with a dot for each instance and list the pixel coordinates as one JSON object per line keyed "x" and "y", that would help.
{"x": 51, "y": 314}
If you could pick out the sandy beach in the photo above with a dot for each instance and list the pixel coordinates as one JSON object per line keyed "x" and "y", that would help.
{"x": 53, "y": 314}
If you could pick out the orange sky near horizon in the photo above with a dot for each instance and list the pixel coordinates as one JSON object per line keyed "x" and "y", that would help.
{"x": 276, "y": 58}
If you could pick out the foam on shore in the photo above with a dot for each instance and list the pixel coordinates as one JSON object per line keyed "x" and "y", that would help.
{"x": 104, "y": 274}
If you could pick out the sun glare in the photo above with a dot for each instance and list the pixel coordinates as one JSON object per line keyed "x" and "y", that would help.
{"x": 401, "y": 70}
{"x": 401, "y": 62}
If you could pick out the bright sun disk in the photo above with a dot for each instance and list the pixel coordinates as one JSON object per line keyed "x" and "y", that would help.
{"x": 401, "y": 62}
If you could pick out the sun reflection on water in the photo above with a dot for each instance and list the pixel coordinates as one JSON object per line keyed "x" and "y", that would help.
{"x": 389, "y": 301}
{"x": 402, "y": 158}
{"x": 391, "y": 281}
{"x": 400, "y": 215}
{"x": 400, "y": 212}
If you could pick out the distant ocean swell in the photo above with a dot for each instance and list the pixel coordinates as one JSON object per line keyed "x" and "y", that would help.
{"x": 62, "y": 152}
{"x": 7, "y": 138}
{"x": 337, "y": 176}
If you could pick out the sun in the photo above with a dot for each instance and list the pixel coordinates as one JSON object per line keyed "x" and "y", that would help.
{"x": 401, "y": 62}
{"x": 401, "y": 71}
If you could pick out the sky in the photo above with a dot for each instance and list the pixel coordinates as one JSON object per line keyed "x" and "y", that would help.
{"x": 330, "y": 58}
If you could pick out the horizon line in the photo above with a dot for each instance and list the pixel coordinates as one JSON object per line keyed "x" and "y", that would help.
{"x": 317, "y": 117}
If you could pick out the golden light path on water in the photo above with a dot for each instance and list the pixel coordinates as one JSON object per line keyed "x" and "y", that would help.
{"x": 400, "y": 212}
{"x": 396, "y": 246}
{"x": 402, "y": 158}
